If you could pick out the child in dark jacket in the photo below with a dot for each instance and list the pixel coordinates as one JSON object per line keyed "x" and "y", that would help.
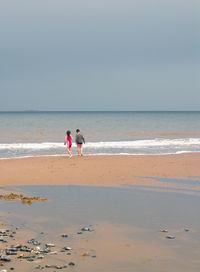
{"x": 79, "y": 142}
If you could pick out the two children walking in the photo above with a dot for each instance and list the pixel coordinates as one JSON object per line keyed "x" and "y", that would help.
{"x": 79, "y": 142}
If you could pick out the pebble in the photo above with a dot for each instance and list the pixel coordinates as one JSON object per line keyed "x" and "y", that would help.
{"x": 40, "y": 256}
{"x": 53, "y": 252}
{"x": 64, "y": 235}
{"x": 24, "y": 248}
{"x": 10, "y": 252}
{"x": 34, "y": 242}
{"x": 37, "y": 248}
{"x": 5, "y": 258}
{"x": 50, "y": 245}
{"x": 170, "y": 237}
{"x": 36, "y": 251}
{"x": 85, "y": 254}
{"x": 4, "y": 232}
{"x": 85, "y": 229}
{"x": 55, "y": 266}
{"x": 66, "y": 248}
{"x": 2, "y": 240}
{"x": 164, "y": 230}
{"x": 45, "y": 250}
{"x": 30, "y": 258}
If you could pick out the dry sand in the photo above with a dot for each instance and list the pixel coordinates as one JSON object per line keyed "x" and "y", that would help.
{"x": 98, "y": 170}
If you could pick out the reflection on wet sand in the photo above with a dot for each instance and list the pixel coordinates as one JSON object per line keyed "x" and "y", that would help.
{"x": 101, "y": 229}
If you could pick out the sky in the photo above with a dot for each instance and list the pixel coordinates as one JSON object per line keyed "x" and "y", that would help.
{"x": 99, "y": 55}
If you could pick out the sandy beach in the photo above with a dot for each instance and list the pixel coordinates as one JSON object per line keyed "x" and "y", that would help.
{"x": 98, "y": 170}
{"x": 128, "y": 228}
{"x": 99, "y": 136}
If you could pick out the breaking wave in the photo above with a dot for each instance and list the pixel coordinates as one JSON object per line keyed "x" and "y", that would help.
{"x": 142, "y": 147}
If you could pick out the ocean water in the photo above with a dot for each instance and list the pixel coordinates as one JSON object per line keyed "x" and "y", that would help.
{"x": 128, "y": 133}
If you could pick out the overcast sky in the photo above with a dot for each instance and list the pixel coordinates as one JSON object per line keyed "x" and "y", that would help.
{"x": 100, "y": 55}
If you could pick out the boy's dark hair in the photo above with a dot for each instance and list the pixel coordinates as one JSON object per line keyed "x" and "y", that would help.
{"x": 78, "y": 130}
{"x": 68, "y": 133}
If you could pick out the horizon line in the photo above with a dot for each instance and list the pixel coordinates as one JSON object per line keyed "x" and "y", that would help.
{"x": 71, "y": 111}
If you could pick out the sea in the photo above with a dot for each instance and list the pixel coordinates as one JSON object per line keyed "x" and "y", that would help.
{"x": 42, "y": 133}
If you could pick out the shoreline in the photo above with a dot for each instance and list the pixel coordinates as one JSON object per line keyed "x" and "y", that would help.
{"x": 98, "y": 170}
{"x": 103, "y": 155}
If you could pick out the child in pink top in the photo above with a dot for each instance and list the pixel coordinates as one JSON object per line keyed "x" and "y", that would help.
{"x": 68, "y": 141}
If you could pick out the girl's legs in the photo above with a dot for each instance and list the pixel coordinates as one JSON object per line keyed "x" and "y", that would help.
{"x": 69, "y": 151}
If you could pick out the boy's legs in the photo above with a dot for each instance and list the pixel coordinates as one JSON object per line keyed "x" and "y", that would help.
{"x": 79, "y": 147}
{"x": 81, "y": 150}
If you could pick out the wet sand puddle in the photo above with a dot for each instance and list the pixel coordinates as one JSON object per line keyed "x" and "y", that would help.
{"x": 188, "y": 186}
{"x": 100, "y": 229}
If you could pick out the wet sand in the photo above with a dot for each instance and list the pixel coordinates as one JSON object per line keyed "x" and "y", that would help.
{"x": 98, "y": 170}
{"x": 108, "y": 248}
{"x": 126, "y": 230}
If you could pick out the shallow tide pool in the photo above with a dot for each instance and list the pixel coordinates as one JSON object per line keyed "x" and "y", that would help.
{"x": 126, "y": 228}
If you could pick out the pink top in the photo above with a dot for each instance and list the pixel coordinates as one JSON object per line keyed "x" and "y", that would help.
{"x": 69, "y": 140}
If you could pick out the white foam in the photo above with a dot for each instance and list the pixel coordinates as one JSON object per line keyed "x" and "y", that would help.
{"x": 104, "y": 145}
{"x": 138, "y": 147}
{"x": 35, "y": 146}
{"x": 146, "y": 143}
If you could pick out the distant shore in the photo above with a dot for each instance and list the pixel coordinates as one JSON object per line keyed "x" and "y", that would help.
{"x": 98, "y": 170}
